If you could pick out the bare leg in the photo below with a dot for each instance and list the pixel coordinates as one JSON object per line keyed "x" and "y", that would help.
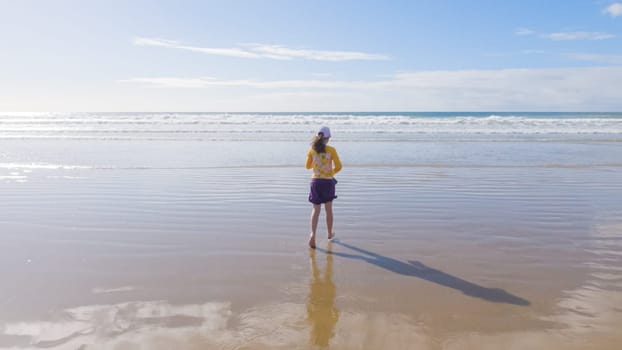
{"x": 315, "y": 215}
{"x": 329, "y": 219}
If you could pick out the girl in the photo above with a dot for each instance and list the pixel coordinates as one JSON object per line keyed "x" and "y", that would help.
{"x": 324, "y": 161}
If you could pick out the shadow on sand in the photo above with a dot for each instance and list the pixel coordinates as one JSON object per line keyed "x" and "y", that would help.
{"x": 419, "y": 270}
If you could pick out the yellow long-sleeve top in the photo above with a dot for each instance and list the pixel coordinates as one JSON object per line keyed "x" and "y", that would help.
{"x": 322, "y": 163}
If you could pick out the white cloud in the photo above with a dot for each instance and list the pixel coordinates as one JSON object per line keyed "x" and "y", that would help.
{"x": 155, "y": 42}
{"x": 568, "y": 89}
{"x": 614, "y": 9}
{"x": 232, "y": 52}
{"x": 610, "y": 59}
{"x": 277, "y": 52}
{"x": 204, "y": 82}
{"x": 523, "y": 31}
{"x": 533, "y": 52}
{"x": 578, "y": 36}
{"x": 516, "y": 53}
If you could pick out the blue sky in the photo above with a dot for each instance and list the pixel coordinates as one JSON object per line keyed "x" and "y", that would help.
{"x": 233, "y": 55}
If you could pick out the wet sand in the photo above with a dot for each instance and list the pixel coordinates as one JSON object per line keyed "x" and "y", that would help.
{"x": 465, "y": 257}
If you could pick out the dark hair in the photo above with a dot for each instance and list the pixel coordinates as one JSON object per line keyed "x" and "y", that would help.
{"x": 318, "y": 143}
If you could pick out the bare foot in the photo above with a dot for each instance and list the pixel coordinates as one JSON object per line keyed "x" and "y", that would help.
{"x": 312, "y": 242}
{"x": 331, "y": 235}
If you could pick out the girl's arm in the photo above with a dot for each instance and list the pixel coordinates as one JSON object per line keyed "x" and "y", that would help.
{"x": 337, "y": 163}
{"x": 309, "y": 164}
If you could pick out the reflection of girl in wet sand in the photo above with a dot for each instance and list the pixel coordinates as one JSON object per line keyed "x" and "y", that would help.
{"x": 321, "y": 309}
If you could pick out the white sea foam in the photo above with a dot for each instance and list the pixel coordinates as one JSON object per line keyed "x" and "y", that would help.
{"x": 251, "y": 126}
{"x": 30, "y": 166}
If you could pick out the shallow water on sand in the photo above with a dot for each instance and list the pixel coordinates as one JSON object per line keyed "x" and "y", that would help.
{"x": 159, "y": 245}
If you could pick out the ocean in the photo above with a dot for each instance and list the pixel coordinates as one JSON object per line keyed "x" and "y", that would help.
{"x": 456, "y": 230}
{"x": 394, "y": 126}
{"x": 143, "y": 140}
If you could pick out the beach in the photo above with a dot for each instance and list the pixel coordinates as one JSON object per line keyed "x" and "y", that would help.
{"x": 189, "y": 231}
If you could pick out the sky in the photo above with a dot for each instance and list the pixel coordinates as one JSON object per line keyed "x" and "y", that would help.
{"x": 303, "y": 55}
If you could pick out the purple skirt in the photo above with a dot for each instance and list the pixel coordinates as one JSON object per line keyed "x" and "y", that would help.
{"x": 321, "y": 191}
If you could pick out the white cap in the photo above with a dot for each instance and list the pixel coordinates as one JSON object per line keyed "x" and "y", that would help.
{"x": 325, "y": 131}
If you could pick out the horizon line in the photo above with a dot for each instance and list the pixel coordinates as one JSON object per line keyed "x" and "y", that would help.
{"x": 353, "y": 111}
